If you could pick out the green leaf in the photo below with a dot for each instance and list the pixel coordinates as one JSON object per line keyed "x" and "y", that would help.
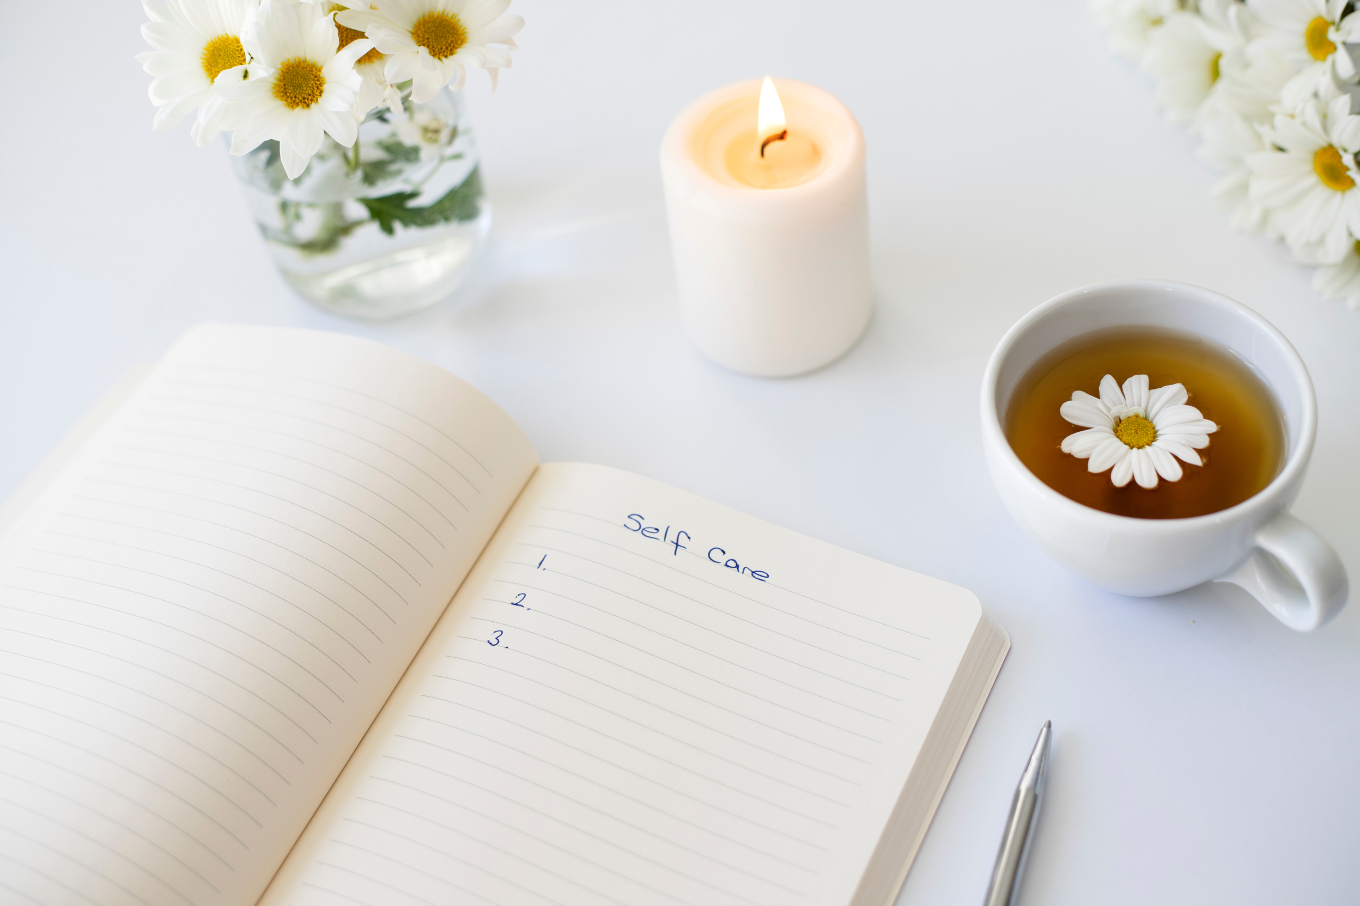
{"x": 461, "y": 203}
{"x": 394, "y": 149}
{"x": 376, "y": 171}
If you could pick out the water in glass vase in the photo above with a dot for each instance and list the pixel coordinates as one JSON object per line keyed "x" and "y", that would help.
{"x": 382, "y": 229}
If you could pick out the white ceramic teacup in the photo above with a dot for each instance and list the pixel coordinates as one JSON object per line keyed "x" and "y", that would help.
{"x": 1256, "y": 544}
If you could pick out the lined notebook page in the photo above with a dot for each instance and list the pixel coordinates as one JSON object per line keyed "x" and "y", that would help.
{"x": 204, "y": 612}
{"x": 639, "y": 697}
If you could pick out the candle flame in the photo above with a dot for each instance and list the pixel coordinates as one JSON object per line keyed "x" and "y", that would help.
{"x": 770, "y": 125}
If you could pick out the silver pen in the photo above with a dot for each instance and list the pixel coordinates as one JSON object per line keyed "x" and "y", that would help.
{"x": 1010, "y": 861}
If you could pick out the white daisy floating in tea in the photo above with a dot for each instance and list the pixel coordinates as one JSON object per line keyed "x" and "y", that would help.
{"x": 1136, "y": 433}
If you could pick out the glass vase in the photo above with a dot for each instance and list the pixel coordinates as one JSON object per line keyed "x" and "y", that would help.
{"x": 385, "y": 228}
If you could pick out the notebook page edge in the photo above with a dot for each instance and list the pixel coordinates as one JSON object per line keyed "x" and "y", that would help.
{"x": 879, "y": 887}
{"x": 21, "y": 500}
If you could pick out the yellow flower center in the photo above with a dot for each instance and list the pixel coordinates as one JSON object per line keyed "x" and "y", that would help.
{"x": 1331, "y": 169}
{"x": 1316, "y": 40}
{"x": 299, "y": 83}
{"x": 221, "y": 54}
{"x": 1213, "y": 69}
{"x": 1135, "y": 431}
{"x": 348, "y": 36}
{"x": 440, "y": 33}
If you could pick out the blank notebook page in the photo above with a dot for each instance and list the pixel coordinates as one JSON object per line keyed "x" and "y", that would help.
{"x": 203, "y": 613}
{"x": 640, "y": 697}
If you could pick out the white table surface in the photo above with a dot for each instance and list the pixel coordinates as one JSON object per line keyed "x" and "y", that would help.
{"x": 1203, "y": 753}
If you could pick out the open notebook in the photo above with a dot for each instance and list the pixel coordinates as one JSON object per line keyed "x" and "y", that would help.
{"x": 302, "y": 618}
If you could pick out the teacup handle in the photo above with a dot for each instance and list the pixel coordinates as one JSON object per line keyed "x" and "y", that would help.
{"x": 1294, "y": 573}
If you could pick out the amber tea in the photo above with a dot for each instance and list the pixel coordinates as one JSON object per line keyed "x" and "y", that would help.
{"x": 1243, "y": 455}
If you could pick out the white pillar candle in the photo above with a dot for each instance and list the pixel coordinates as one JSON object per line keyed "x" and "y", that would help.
{"x": 771, "y": 250}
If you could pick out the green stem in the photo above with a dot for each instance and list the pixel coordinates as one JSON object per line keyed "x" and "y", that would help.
{"x": 439, "y": 164}
{"x": 353, "y": 160}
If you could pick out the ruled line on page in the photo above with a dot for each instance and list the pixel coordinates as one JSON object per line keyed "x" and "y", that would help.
{"x": 227, "y": 550}
{"x": 26, "y": 897}
{"x": 316, "y": 402}
{"x": 728, "y": 590}
{"x": 590, "y": 808}
{"x": 742, "y": 642}
{"x": 728, "y": 613}
{"x": 447, "y": 855}
{"x": 615, "y": 766}
{"x": 266, "y": 450}
{"x": 150, "y": 723}
{"x": 233, "y": 803}
{"x": 650, "y": 754}
{"x": 244, "y": 407}
{"x": 805, "y": 666}
{"x": 244, "y": 688}
{"x": 480, "y": 814}
{"x": 194, "y": 689}
{"x": 106, "y": 848}
{"x": 48, "y": 764}
{"x": 133, "y": 591}
{"x": 671, "y": 815}
{"x": 105, "y": 758}
{"x": 569, "y": 827}
{"x": 241, "y": 531}
{"x": 275, "y": 375}
{"x": 288, "y": 525}
{"x": 675, "y": 688}
{"x": 668, "y": 686}
{"x": 856, "y": 614}
{"x": 372, "y": 880}
{"x": 664, "y": 840}
{"x": 180, "y": 419}
{"x": 669, "y": 736}
{"x": 279, "y": 475}
{"x": 122, "y": 826}
{"x": 66, "y": 858}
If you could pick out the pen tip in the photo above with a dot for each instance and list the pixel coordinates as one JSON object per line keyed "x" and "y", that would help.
{"x": 1048, "y": 725}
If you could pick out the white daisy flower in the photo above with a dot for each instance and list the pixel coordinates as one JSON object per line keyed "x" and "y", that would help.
{"x": 1341, "y": 281}
{"x": 1136, "y": 433}
{"x": 426, "y": 131}
{"x": 1229, "y": 124}
{"x": 299, "y": 84}
{"x": 1306, "y": 179}
{"x": 433, "y": 41}
{"x": 194, "y": 41}
{"x": 1195, "y": 55}
{"x": 375, "y": 91}
{"x": 1309, "y": 35}
{"x": 1129, "y": 24}
{"x": 1227, "y": 140}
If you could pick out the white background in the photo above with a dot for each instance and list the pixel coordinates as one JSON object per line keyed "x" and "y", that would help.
{"x": 1203, "y": 752}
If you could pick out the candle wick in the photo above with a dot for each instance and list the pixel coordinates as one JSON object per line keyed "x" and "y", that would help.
{"x": 777, "y": 137}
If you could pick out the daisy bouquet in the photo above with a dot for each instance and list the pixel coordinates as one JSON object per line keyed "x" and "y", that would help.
{"x": 347, "y": 130}
{"x": 1270, "y": 89}
{"x": 296, "y": 71}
